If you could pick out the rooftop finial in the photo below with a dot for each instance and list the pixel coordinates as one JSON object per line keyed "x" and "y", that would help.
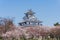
{"x": 30, "y": 12}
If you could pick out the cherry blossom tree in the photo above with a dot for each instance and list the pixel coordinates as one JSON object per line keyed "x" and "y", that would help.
{"x": 55, "y": 32}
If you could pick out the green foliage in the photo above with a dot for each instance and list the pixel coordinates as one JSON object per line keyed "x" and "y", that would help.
{"x": 0, "y": 38}
{"x": 56, "y": 24}
{"x": 23, "y": 38}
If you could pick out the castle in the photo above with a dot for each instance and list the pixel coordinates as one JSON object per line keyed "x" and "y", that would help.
{"x": 30, "y": 19}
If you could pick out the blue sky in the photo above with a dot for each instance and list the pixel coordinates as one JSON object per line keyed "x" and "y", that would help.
{"x": 46, "y": 10}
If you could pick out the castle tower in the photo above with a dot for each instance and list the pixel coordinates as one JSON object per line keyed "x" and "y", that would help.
{"x": 29, "y": 19}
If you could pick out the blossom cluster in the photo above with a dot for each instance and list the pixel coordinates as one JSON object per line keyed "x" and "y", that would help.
{"x": 26, "y": 31}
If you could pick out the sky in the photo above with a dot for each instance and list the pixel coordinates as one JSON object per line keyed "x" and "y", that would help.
{"x": 47, "y": 11}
